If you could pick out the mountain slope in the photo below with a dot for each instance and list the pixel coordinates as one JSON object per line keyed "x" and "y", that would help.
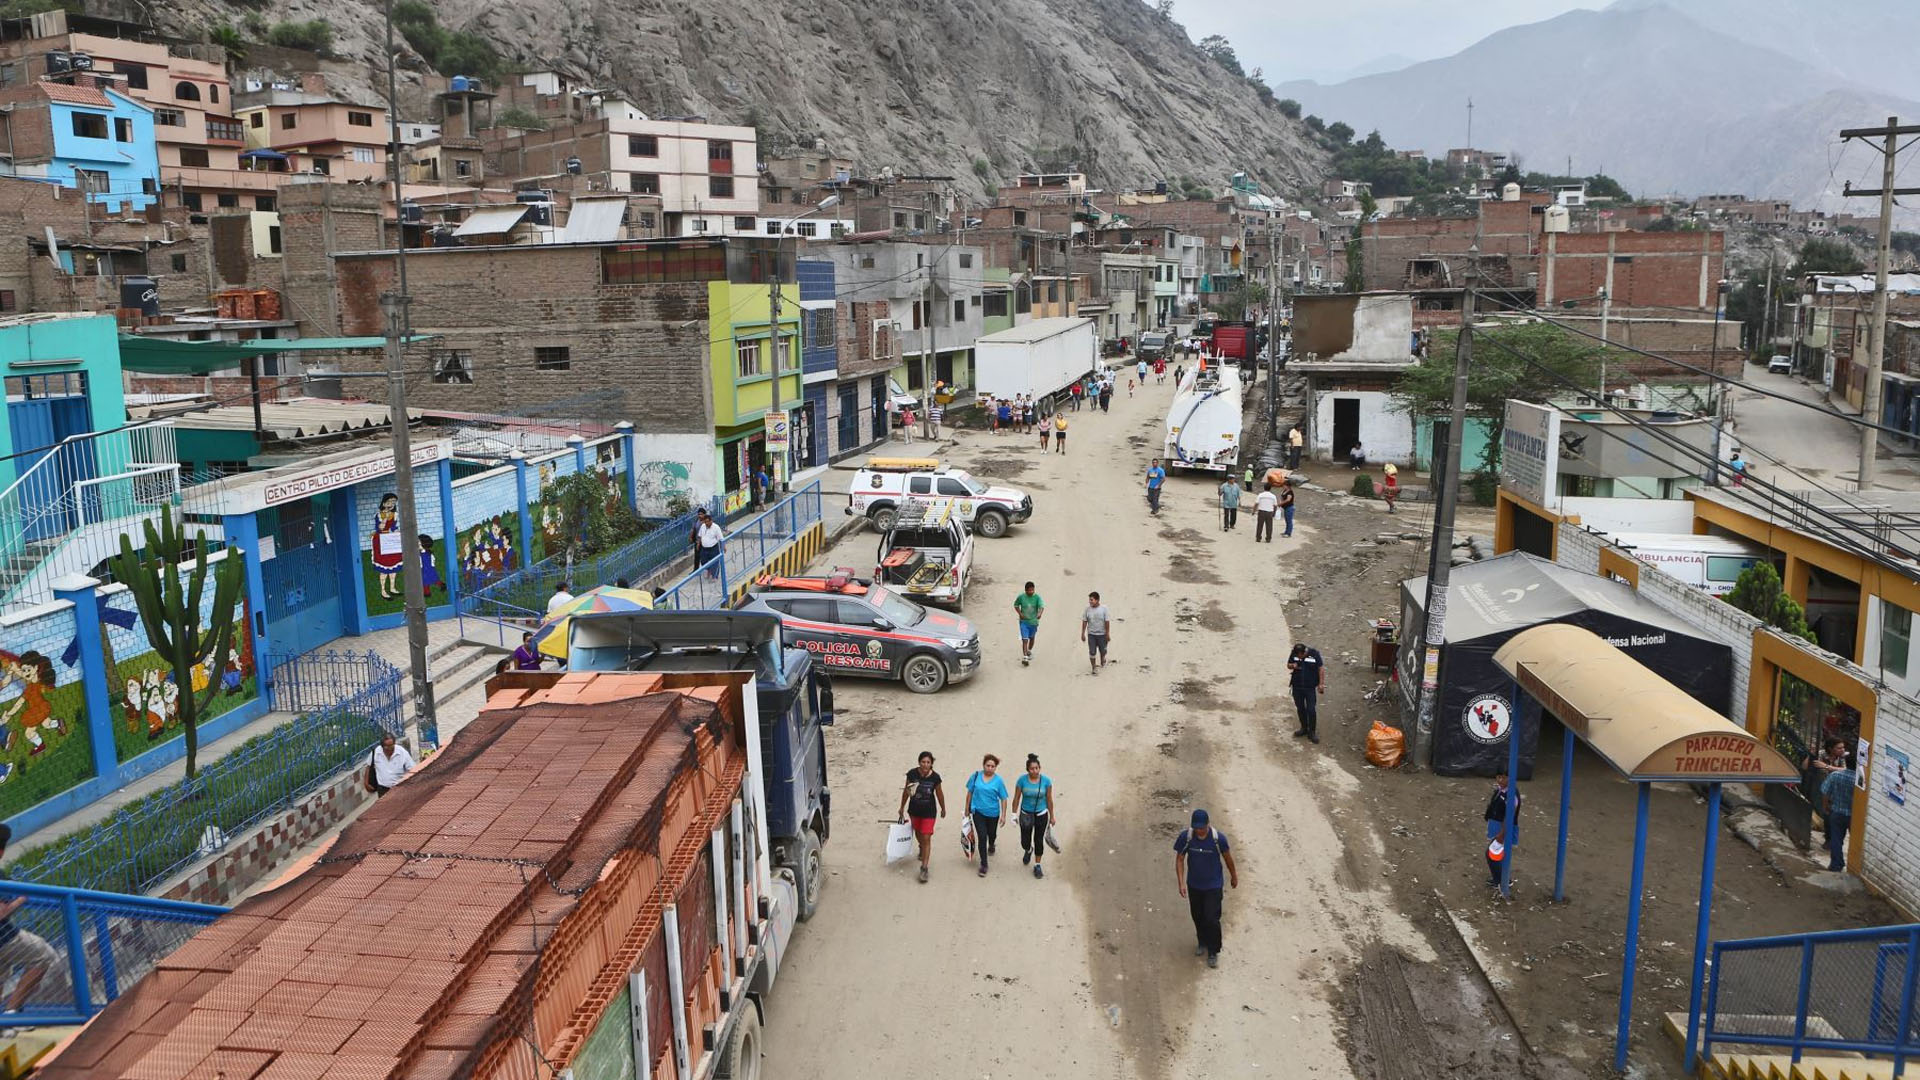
{"x": 1874, "y": 45}
{"x": 1644, "y": 93}
{"x": 925, "y": 86}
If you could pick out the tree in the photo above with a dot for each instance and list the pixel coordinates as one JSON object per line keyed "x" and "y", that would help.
{"x": 228, "y": 38}
{"x": 1821, "y": 255}
{"x": 1531, "y": 361}
{"x": 1222, "y": 52}
{"x": 315, "y": 35}
{"x": 1760, "y": 593}
{"x": 1356, "y": 280}
{"x": 1234, "y": 304}
{"x": 1290, "y": 108}
{"x": 1340, "y": 131}
{"x": 1315, "y": 124}
{"x": 1164, "y": 8}
{"x": 594, "y": 515}
{"x": 170, "y": 610}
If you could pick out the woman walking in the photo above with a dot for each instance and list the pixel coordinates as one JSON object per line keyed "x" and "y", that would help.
{"x": 920, "y": 800}
{"x": 987, "y": 803}
{"x": 1035, "y": 791}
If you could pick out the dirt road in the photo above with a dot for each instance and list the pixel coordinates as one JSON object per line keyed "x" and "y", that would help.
{"x": 1090, "y": 972}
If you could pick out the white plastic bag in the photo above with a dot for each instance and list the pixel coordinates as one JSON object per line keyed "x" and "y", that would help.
{"x": 900, "y": 843}
{"x": 966, "y": 836}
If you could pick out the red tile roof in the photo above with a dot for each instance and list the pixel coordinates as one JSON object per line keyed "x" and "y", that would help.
{"x": 76, "y": 95}
{"x": 414, "y": 948}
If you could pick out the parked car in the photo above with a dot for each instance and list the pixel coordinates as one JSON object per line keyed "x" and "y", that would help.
{"x": 855, "y": 626}
{"x": 1780, "y": 365}
{"x": 898, "y": 398}
{"x": 883, "y": 484}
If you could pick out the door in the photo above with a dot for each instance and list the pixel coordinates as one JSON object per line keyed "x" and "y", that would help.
{"x": 801, "y": 451}
{"x": 302, "y": 580}
{"x": 849, "y": 424}
{"x": 43, "y": 410}
{"x": 1346, "y": 425}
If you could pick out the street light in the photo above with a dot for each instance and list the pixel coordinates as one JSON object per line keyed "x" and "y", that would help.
{"x": 780, "y": 463}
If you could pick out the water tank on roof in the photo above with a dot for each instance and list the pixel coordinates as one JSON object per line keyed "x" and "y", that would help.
{"x": 574, "y": 166}
{"x": 410, "y": 213}
{"x": 1510, "y": 192}
{"x": 1557, "y": 219}
{"x": 458, "y": 84}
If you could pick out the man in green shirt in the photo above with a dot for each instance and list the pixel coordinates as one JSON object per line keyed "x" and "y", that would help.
{"x": 1029, "y": 607}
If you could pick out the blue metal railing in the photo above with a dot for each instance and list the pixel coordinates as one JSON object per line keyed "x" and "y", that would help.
{"x": 1839, "y": 991}
{"x": 639, "y": 559}
{"x": 749, "y": 548}
{"x": 73, "y": 950}
{"x": 144, "y": 843}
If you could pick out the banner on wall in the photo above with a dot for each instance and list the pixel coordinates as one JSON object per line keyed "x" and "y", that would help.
{"x": 779, "y": 436}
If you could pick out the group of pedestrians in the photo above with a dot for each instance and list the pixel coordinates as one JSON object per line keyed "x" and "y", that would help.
{"x": 1096, "y": 626}
{"x": 1017, "y": 414}
{"x": 924, "y": 799}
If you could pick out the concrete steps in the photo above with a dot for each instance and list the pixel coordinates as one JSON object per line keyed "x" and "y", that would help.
{"x": 455, "y": 667}
{"x": 1734, "y": 1061}
{"x": 21, "y": 1050}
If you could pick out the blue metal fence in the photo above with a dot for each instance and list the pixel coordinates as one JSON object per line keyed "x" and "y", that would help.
{"x": 1841, "y": 991}
{"x": 74, "y": 950}
{"x": 749, "y": 547}
{"x": 527, "y": 589}
{"x": 147, "y": 842}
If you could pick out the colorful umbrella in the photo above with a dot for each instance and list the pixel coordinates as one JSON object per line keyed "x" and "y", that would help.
{"x": 551, "y": 638}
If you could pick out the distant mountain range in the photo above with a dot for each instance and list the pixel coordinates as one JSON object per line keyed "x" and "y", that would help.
{"x": 1683, "y": 97}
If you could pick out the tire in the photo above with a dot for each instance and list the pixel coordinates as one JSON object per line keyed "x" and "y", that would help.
{"x": 991, "y": 524}
{"x": 740, "y": 1058}
{"x": 924, "y": 673}
{"x": 882, "y": 518}
{"x": 810, "y": 874}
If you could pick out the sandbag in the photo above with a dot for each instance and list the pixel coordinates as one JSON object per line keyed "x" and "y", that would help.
{"x": 1386, "y": 746}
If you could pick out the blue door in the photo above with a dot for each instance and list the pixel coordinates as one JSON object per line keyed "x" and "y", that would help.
{"x": 38, "y": 421}
{"x": 302, "y": 581}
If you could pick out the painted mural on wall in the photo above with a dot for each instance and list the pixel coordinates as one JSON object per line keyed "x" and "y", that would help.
{"x": 383, "y": 547}
{"x": 489, "y": 550}
{"x": 146, "y": 694}
{"x": 44, "y": 743}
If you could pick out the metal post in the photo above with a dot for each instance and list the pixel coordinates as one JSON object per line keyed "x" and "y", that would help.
{"x": 1568, "y": 744}
{"x": 1719, "y": 391}
{"x": 1606, "y": 317}
{"x": 1701, "y": 920}
{"x": 1801, "y": 997}
{"x": 677, "y": 987}
{"x": 76, "y": 955}
{"x": 1434, "y": 634}
{"x": 737, "y": 837}
{"x": 773, "y": 343}
{"x": 1877, "y": 322}
{"x": 394, "y": 304}
{"x": 1510, "y": 807}
{"x": 1905, "y": 1019}
{"x": 721, "y": 928}
{"x": 637, "y": 1014}
{"x": 1635, "y": 893}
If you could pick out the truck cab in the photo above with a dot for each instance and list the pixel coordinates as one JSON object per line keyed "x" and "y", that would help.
{"x": 795, "y": 705}
{"x": 926, "y": 555}
{"x": 880, "y": 487}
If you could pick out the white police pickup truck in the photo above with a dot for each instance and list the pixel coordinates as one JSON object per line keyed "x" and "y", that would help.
{"x": 880, "y": 487}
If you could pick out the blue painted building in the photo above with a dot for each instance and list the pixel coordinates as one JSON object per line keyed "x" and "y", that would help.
{"x": 87, "y": 136}
{"x": 819, "y": 362}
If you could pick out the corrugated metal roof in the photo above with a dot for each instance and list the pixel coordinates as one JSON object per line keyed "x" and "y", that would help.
{"x": 488, "y": 220}
{"x": 595, "y": 220}
{"x": 301, "y": 418}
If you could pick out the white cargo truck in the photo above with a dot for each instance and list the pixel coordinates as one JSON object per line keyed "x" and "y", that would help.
{"x": 1039, "y": 359}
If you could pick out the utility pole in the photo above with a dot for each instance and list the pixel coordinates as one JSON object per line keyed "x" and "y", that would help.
{"x": 395, "y": 306}
{"x": 1273, "y": 328}
{"x": 773, "y": 345}
{"x": 1435, "y": 631}
{"x": 1877, "y": 324}
{"x": 1606, "y": 316}
{"x": 1766, "y": 313}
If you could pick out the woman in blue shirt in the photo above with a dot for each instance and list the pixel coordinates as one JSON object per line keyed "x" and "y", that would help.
{"x": 987, "y": 802}
{"x": 1035, "y": 791}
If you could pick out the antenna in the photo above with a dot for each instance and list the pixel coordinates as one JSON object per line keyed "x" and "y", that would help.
{"x": 1469, "y": 123}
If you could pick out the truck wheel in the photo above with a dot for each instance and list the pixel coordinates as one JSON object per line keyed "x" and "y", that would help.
{"x": 882, "y": 518}
{"x": 812, "y": 874}
{"x": 924, "y": 673}
{"x": 740, "y": 1059}
{"x": 991, "y": 524}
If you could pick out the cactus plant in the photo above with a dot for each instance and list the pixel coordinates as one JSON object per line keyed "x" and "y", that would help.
{"x": 170, "y": 610}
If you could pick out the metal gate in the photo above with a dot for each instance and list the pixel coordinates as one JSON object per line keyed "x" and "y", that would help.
{"x": 303, "y": 597}
{"x": 38, "y": 425}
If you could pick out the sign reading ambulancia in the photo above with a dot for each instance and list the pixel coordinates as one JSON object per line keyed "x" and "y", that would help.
{"x": 1530, "y": 453}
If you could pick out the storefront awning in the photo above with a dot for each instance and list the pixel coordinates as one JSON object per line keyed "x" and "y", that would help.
{"x": 159, "y": 356}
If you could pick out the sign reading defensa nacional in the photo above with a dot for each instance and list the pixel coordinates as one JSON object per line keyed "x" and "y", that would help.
{"x": 1530, "y": 453}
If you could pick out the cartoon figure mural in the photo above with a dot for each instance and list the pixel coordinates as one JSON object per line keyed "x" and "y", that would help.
{"x": 383, "y": 553}
{"x": 31, "y": 711}
{"x": 429, "y": 572}
{"x": 44, "y": 748}
{"x": 488, "y": 550}
{"x": 150, "y": 706}
{"x": 388, "y": 547}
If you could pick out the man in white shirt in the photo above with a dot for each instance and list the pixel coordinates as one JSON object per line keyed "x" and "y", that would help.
{"x": 560, "y": 598}
{"x": 706, "y": 538}
{"x": 1096, "y": 629}
{"x": 390, "y": 762}
{"x": 1264, "y": 506}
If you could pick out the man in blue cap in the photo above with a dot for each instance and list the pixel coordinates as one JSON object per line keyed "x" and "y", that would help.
{"x": 1203, "y": 865}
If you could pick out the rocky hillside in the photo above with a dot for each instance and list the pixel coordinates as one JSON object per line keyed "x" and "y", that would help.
{"x": 924, "y": 86}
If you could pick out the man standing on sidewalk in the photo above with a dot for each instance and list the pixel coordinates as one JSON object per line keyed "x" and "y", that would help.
{"x": 935, "y": 413}
{"x": 1308, "y": 675}
{"x": 1200, "y": 854}
{"x": 1156, "y": 476}
{"x": 1029, "y": 607}
{"x": 1295, "y": 441}
{"x": 1286, "y": 507}
{"x": 1264, "y": 505}
{"x": 1229, "y": 504}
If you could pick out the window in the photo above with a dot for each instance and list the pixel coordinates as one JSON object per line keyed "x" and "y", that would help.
{"x": 773, "y": 195}
{"x": 552, "y": 358}
{"x": 191, "y": 200}
{"x": 966, "y": 261}
{"x": 273, "y": 239}
{"x": 994, "y": 306}
{"x": 819, "y": 328}
{"x": 866, "y": 262}
{"x": 228, "y": 200}
{"x": 746, "y": 359}
{"x": 643, "y": 146}
{"x": 646, "y": 220}
{"x": 363, "y": 154}
{"x": 719, "y": 150}
{"x": 836, "y": 229}
{"x": 462, "y": 167}
{"x": 922, "y": 313}
{"x": 1053, "y": 292}
{"x": 89, "y": 125}
{"x": 950, "y": 486}
{"x": 974, "y": 299}
{"x": 149, "y": 185}
{"x": 1896, "y": 638}
{"x": 213, "y": 93}
{"x": 185, "y": 91}
{"x": 1019, "y": 217}
{"x": 178, "y": 262}
{"x": 920, "y": 485}
{"x": 93, "y": 180}
{"x": 720, "y": 187}
{"x": 959, "y": 311}
{"x": 359, "y": 119}
{"x": 920, "y": 222}
{"x": 811, "y": 610}
{"x": 899, "y": 220}
{"x": 193, "y": 157}
{"x": 288, "y": 120}
{"x": 169, "y": 118}
{"x": 258, "y": 119}
{"x": 7, "y": 302}
{"x": 773, "y": 228}
{"x": 743, "y": 224}
{"x": 322, "y": 166}
{"x": 263, "y": 202}
{"x": 643, "y": 183}
{"x": 453, "y": 366}
{"x": 136, "y": 75}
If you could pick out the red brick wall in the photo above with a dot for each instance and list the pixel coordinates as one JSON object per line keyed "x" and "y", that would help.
{"x": 1649, "y": 269}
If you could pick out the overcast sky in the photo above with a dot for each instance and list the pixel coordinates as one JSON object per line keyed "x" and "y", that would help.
{"x": 1295, "y": 39}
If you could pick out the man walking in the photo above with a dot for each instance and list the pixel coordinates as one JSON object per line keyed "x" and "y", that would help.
{"x": 1200, "y": 855}
{"x": 935, "y": 413}
{"x": 1836, "y": 795}
{"x": 1308, "y": 675}
{"x": 1028, "y": 607}
{"x": 1264, "y": 504}
{"x": 707, "y": 538}
{"x": 1156, "y": 476}
{"x": 390, "y": 762}
{"x": 561, "y": 596}
{"x": 1229, "y": 504}
{"x": 1096, "y": 629}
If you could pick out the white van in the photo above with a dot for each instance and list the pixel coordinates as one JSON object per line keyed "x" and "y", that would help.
{"x": 1712, "y": 563}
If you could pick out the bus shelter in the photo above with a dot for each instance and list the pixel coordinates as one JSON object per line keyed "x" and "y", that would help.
{"x": 1650, "y": 731}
